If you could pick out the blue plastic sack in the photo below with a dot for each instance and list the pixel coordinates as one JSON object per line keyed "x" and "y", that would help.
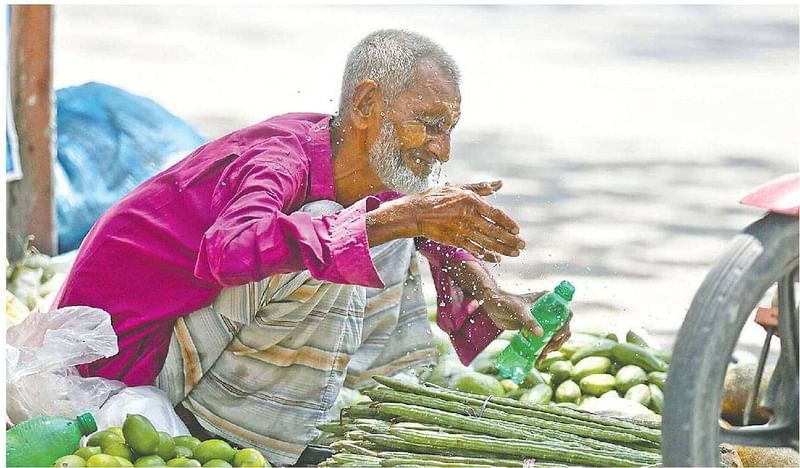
{"x": 108, "y": 141}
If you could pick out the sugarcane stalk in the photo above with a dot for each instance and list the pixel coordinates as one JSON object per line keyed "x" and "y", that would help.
{"x": 646, "y": 448}
{"x": 438, "y": 416}
{"x": 646, "y": 423}
{"x": 371, "y": 425}
{"x": 526, "y": 449}
{"x": 335, "y": 428}
{"x": 393, "y": 443}
{"x": 361, "y": 411}
{"x": 522, "y": 422}
{"x": 503, "y": 431}
{"x": 390, "y": 442}
{"x": 363, "y": 460}
{"x": 408, "y": 462}
{"x": 550, "y": 432}
{"x": 357, "y": 435}
{"x": 437, "y": 464}
{"x": 429, "y": 427}
{"x": 564, "y": 437}
{"x": 566, "y": 412}
{"x": 553, "y": 413}
{"x": 425, "y": 458}
{"x": 351, "y": 447}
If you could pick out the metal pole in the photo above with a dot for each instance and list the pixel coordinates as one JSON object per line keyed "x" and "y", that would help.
{"x": 30, "y": 205}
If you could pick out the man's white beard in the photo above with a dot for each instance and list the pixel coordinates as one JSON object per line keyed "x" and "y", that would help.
{"x": 388, "y": 164}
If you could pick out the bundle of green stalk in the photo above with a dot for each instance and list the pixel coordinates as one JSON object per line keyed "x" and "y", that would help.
{"x": 425, "y": 425}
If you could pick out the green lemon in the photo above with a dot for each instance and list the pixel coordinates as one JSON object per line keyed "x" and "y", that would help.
{"x": 116, "y": 430}
{"x": 213, "y": 448}
{"x": 181, "y": 451}
{"x": 217, "y": 462}
{"x": 479, "y": 384}
{"x": 140, "y": 434}
{"x": 166, "y": 446}
{"x": 102, "y": 460}
{"x": 103, "y": 438}
{"x": 70, "y": 461}
{"x": 249, "y": 457}
{"x": 186, "y": 441}
{"x": 150, "y": 460}
{"x": 124, "y": 462}
{"x": 86, "y": 452}
{"x": 183, "y": 461}
{"x": 118, "y": 450}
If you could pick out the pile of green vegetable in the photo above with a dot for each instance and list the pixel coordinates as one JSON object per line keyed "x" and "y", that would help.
{"x": 411, "y": 424}
{"x": 586, "y": 372}
{"x": 33, "y": 282}
{"x": 138, "y": 443}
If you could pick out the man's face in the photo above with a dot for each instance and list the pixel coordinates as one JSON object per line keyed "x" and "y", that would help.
{"x": 414, "y": 139}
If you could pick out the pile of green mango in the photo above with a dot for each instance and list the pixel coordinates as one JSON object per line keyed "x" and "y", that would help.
{"x": 138, "y": 443}
{"x": 586, "y": 368}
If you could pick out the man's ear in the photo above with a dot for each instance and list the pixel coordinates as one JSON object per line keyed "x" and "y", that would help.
{"x": 367, "y": 104}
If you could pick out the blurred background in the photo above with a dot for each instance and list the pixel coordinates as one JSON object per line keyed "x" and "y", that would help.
{"x": 625, "y": 135}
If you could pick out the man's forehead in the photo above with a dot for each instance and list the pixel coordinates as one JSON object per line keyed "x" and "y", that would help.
{"x": 434, "y": 89}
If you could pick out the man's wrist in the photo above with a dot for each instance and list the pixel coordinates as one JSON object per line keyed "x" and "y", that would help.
{"x": 392, "y": 220}
{"x": 473, "y": 279}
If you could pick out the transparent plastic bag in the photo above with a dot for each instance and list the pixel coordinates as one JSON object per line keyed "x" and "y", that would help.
{"x": 151, "y": 402}
{"x": 40, "y": 354}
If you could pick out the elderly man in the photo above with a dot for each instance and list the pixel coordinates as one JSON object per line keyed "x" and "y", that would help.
{"x": 252, "y": 277}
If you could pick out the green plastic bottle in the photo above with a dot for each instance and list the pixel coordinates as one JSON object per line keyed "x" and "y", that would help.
{"x": 552, "y": 312}
{"x": 42, "y": 440}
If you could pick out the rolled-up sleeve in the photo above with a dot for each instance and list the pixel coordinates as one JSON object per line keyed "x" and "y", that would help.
{"x": 252, "y": 237}
{"x": 462, "y": 317}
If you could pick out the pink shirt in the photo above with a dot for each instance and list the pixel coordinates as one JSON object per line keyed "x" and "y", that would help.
{"x": 224, "y": 216}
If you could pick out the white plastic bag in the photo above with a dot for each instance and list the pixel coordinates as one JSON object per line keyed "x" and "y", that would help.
{"x": 40, "y": 354}
{"x": 151, "y": 402}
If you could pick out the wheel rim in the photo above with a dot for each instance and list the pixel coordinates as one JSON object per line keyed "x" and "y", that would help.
{"x": 782, "y": 393}
{"x": 761, "y": 255}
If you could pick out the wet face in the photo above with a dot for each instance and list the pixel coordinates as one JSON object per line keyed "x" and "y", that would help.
{"x": 414, "y": 139}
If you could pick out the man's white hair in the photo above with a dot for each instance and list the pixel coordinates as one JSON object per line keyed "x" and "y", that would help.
{"x": 389, "y": 57}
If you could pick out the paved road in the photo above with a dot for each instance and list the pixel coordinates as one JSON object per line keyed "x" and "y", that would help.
{"x": 625, "y": 135}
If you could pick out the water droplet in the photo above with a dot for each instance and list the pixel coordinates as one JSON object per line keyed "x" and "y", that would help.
{"x": 308, "y": 138}
{"x": 442, "y": 304}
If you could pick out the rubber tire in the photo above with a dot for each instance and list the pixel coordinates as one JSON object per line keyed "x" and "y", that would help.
{"x": 752, "y": 262}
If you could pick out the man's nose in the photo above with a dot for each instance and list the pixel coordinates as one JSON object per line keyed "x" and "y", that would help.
{"x": 439, "y": 146}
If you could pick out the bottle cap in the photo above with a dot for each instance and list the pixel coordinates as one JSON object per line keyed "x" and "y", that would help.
{"x": 565, "y": 290}
{"x": 87, "y": 423}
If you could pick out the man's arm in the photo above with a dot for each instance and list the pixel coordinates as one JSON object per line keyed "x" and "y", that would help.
{"x": 251, "y": 237}
{"x": 508, "y": 311}
{"x": 458, "y": 217}
{"x": 455, "y": 216}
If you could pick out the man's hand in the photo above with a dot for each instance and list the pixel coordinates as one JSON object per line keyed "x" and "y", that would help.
{"x": 557, "y": 340}
{"x": 512, "y": 311}
{"x": 458, "y": 216}
{"x": 455, "y": 216}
